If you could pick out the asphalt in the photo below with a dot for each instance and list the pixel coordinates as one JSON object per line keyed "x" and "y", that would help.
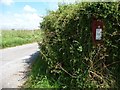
{"x": 15, "y": 63}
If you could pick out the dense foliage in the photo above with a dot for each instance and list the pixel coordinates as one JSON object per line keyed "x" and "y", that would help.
{"x": 73, "y": 60}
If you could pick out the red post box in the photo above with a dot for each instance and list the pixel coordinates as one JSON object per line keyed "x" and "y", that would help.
{"x": 97, "y": 30}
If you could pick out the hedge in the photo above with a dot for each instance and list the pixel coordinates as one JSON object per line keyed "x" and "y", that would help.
{"x": 73, "y": 60}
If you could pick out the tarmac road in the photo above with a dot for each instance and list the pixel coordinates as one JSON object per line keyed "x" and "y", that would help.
{"x": 15, "y": 63}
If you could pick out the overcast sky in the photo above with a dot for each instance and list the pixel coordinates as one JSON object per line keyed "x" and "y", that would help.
{"x": 25, "y": 14}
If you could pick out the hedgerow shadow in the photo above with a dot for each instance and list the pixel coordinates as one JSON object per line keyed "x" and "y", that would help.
{"x": 39, "y": 76}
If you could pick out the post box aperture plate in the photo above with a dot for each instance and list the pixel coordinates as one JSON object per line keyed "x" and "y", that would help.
{"x": 98, "y": 34}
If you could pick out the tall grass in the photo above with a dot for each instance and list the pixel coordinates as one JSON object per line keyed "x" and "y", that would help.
{"x": 10, "y": 38}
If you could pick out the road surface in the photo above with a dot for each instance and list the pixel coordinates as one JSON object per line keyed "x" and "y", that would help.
{"x": 14, "y": 64}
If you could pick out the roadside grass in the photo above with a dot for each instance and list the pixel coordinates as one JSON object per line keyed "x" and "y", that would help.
{"x": 38, "y": 77}
{"x": 0, "y": 39}
{"x": 10, "y": 38}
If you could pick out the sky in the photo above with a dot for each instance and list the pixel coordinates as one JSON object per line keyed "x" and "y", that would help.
{"x": 25, "y": 14}
{"x": 16, "y": 14}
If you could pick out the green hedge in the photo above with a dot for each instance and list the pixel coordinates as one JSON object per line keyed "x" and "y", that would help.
{"x": 67, "y": 46}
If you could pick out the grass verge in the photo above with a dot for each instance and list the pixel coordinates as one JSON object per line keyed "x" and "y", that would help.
{"x": 10, "y": 38}
{"x": 38, "y": 76}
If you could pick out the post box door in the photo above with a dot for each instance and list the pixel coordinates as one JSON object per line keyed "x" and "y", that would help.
{"x": 97, "y": 29}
